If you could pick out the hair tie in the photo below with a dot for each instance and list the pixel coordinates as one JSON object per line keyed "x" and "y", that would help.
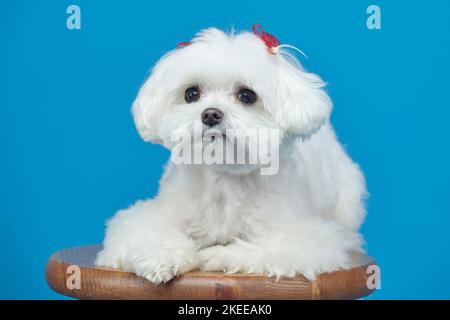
{"x": 183, "y": 44}
{"x": 270, "y": 40}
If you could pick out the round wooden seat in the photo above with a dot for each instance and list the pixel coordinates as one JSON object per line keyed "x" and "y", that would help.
{"x": 102, "y": 283}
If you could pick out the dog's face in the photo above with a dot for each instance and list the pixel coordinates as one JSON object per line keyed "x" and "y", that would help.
{"x": 226, "y": 82}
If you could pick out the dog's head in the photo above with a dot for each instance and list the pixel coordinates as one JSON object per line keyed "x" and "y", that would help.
{"x": 229, "y": 82}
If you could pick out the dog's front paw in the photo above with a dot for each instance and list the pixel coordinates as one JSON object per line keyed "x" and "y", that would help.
{"x": 156, "y": 274}
{"x": 308, "y": 264}
{"x": 161, "y": 267}
{"x": 281, "y": 260}
{"x": 156, "y": 265}
{"x": 232, "y": 259}
{"x": 213, "y": 259}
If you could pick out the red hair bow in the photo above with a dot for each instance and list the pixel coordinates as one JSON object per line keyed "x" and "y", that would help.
{"x": 183, "y": 44}
{"x": 270, "y": 40}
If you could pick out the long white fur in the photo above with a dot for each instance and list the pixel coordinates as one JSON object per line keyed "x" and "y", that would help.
{"x": 304, "y": 219}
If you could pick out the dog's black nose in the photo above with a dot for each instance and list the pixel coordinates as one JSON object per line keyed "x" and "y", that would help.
{"x": 212, "y": 116}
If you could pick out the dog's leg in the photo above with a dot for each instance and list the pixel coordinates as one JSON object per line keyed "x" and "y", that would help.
{"x": 308, "y": 252}
{"x": 142, "y": 241}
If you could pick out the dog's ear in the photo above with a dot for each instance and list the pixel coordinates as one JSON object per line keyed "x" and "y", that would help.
{"x": 302, "y": 105}
{"x": 146, "y": 110}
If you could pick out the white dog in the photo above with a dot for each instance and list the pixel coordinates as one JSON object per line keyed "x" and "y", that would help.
{"x": 302, "y": 220}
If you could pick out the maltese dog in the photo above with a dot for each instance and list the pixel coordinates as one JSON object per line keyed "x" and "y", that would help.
{"x": 293, "y": 208}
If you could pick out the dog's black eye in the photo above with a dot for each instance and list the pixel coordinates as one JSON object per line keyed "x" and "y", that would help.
{"x": 247, "y": 96}
{"x": 192, "y": 94}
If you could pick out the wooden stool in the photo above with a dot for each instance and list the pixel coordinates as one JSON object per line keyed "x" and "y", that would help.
{"x": 103, "y": 283}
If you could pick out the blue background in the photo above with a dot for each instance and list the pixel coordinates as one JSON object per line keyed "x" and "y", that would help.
{"x": 70, "y": 155}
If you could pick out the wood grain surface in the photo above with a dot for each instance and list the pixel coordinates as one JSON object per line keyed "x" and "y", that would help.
{"x": 102, "y": 283}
